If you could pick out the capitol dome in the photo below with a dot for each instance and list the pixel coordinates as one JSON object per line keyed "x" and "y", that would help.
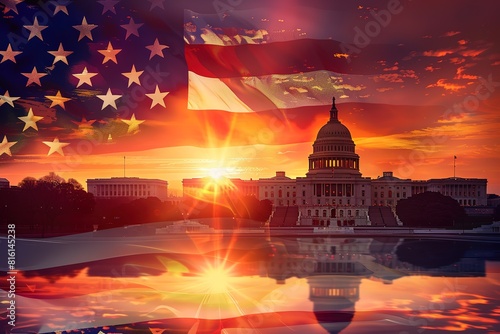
{"x": 334, "y": 128}
{"x": 334, "y": 149}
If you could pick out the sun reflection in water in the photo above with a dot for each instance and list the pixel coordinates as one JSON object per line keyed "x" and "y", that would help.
{"x": 216, "y": 279}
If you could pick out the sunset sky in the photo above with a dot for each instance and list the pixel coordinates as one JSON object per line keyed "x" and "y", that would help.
{"x": 240, "y": 88}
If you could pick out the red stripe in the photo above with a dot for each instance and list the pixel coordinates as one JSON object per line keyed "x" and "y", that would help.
{"x": 304, "y": 55}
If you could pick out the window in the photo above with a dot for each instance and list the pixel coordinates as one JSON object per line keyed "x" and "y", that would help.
{"x": 362, "y": 192}
{"x": 265, "y": 194}
{"x": 309, "y": 213}
{"x": 357, "y": 213}
{"x": 303, "y": 193}
{"x": 324, "y": 213}
{"x": 272, "y": 194}
{"x": 316, "y": 213}
{"x": 349, "y": 213}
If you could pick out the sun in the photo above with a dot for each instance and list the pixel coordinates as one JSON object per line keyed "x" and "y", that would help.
{"x": 219, "y": 173}
{"x": 216, "y": 279}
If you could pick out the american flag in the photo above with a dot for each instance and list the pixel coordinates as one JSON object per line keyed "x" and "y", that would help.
{"x": 104, "y": 76}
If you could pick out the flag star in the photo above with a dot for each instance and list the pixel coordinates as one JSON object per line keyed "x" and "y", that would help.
{"x": 133, "y": 124}
{"x": 156, "y": 3}
{"x": 156, "y": 49}
{"x": 9, "y": 54}
{"x": 34, "y": 77}
{"x": 61, "y": 8}
{"x": 10, "y": 5}
{"x": 60, "y": 55}
{"x": 35, "y": 30}
{"x": 109, "y": 5}
{"x": 133, "y": 76}
{"x": 85, "y": 127}
{"x": 85, "y": 29}
{"x": 57, "y": 100}
{"x": 55, "y": 146}
{"x": 157, "y": 97}
{"x": 132, "y": 28}
{"x": 5, "y": 146}
{"x": 30, "y": 120}
{"x": 109, "y": 53}
{"x": 109, "y": 99}
{"x": 84, "y": 77}
{"x": 7, "y": 98}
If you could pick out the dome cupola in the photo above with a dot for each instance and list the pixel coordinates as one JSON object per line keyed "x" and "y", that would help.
{"x": 334, "y": 149}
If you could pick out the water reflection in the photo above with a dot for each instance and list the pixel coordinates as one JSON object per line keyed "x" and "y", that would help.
{"x": 205, "y": 284}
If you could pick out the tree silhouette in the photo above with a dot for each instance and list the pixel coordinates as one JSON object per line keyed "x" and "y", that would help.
{"x": 430, "y": 209}
{"x": 49, "y": 204}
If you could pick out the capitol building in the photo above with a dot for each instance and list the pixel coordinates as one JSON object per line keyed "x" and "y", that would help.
{"x": 334, "y": 192}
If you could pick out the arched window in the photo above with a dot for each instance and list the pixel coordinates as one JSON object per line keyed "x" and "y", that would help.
{"x": 324, "y": 213}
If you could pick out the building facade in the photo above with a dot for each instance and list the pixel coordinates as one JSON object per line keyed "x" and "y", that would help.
{"x": 128, "y": 187}
{"x": 334, "y": 192}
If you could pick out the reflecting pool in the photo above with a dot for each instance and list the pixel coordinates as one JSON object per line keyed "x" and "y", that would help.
{"x": 191, "y": 283}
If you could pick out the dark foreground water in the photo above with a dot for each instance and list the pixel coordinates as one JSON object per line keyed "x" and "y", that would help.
{"x": 209, "y": 284}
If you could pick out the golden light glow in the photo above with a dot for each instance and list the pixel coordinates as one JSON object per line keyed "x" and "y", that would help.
{"x": 217, "y": 173}
{"x": 216, "y": 279}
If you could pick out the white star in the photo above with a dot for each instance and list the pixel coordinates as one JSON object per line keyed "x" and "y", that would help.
{"x": 7, "y": 98}
{"x": 30, "y": 120}
{"x": 156, "y": 49}
{"x": 109, "y": 53}
{"x": 60, "y": 55}
{"x": 34, "y": 77}
{"x": 85, "y": 29}
{"x": 133, "y": 76}
{"x": 57, "y": 100}
{"x": 35, "y": 30}
{"x": 61, "y": 8}
{"x": 133, "y": 124}
{"x": 132, "y": 28}
{"x": 9, "y": 54}
{"x": 55, "y": 146}
{"x": 109, "y": 99}
{"x": 157, "y": 97}
{"x": 109, "y": 5}
{"x": 11, "y": 5}
{"x": 84, "y": 77}
{"x": 156, "y": 3}
{"x": 5, "y": 146}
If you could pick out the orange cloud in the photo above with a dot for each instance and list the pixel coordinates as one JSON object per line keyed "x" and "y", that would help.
{"x": 447, "y": 85}
{"x": 451, "y": 33}
{"x": 438, "y": 53}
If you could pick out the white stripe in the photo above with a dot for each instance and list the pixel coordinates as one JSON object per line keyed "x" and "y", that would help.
{"x": 272, "y": 91}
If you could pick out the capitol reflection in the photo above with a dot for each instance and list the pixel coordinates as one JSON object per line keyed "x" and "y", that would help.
{"x": 322, "y": 281}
